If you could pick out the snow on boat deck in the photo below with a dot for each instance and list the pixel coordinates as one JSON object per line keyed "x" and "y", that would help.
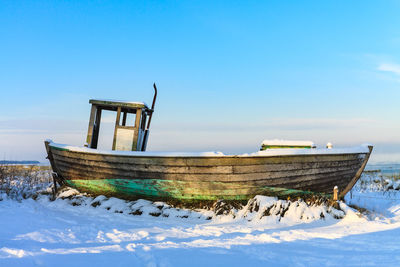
{"x": 281, "y": 142}
{"x": 266, "y": 153}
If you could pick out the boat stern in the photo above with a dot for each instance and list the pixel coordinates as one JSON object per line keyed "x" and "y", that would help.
{"x": 56, "y": 175}
{"x": 359, "y": 172}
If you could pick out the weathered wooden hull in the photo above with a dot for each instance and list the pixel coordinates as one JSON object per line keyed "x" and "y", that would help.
{"x": 205, "y": 178}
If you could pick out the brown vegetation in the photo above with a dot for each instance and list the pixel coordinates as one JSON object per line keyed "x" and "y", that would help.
{"x": 23, "y": 181}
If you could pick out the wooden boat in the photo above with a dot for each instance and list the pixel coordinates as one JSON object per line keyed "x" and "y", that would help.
{"x": 196, "y": 176}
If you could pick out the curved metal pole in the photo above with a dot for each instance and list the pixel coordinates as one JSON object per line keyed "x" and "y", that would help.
{"x": 146, "y": 132}
{"x": 152, "y": 105}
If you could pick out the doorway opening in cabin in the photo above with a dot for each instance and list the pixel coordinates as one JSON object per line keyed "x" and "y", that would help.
{"x": 107, "y": 126}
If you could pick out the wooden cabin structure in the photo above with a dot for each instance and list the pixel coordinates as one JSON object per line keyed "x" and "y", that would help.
{"x": 126, "y": 137}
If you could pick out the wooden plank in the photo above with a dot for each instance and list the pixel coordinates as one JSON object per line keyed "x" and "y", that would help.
{"x": 293, "y": 166}
{"x": 193, "y": 162}
{"x": 209, "y": 169}
{"x": 96, "y": 129}
{"x": 126, "y": 127}
{"x": 107, "y": 173}
{"x": 91, "y": 125}
{"x": 318, "y": 181}
{"x": 137, "y": 124}
{"x": 124, "y": 118}
{"x": 110, "y": 103}
{"x": 205, "y": 161}
{"x": 117, "y": 119}
{"x": 143, "y": 123}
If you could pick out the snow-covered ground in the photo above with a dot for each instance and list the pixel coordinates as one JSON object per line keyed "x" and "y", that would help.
{"x": 80, "y": 230}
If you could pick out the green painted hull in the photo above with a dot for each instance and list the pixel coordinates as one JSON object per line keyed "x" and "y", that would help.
{"x": 164, "y": 189}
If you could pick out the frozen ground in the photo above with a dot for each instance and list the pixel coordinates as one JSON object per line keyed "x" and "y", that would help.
{"x": 81, "y": 231}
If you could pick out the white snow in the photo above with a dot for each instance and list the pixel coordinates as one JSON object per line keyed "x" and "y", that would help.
{"x": 269, "y": 152}
{"x": 317, "y": 151}
{"x": 79, "y": 231}
{"x": 68, "y": 193}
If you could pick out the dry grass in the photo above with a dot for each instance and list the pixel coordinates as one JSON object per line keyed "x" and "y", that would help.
{"x": 394, "y": 176}
{"x": 377, "y": 181}
{"x": 23, "y": 181}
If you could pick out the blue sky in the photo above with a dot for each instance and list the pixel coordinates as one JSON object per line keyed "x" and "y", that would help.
{"x": 230, "y": 73}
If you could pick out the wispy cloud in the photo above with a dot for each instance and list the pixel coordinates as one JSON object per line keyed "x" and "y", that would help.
{"x": 389, "y": 67}
{"x": 265, "y": 125}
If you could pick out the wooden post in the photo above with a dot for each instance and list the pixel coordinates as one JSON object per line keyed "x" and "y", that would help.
{"x": 124, "y": 119}
{"x": 116, "y": 127}
{"x": 55, "y": 185}
{"x": 143, "y": 123}
{"x": 138, "y": 117}
{"x": 335, "y": 193}
{"x": 91, "y": 125}
{"x": 136, "y": 134}
{"x": 96, "y": 129}
{"x": 144, "y": 135}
